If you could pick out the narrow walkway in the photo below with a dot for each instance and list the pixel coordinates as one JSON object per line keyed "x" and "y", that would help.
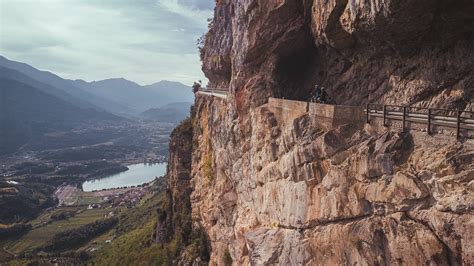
{"x": 404, "y": 117}
{"x": 214, "y": 92}
{"x": 431, "y": 118}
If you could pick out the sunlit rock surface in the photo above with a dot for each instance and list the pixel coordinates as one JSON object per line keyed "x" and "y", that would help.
{"x": 276, "y": 185}
{"x": 293, "y": 193}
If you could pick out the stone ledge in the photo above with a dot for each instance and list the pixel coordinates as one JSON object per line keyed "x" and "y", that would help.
{"x": 328, "y": 116}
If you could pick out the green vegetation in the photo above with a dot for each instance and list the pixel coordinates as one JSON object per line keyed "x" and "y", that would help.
{"x": 92, "y": 169}
{"x": 136, "y": 238}
{"x": 62, "y": 215}
{"x": 14, "y": 230}
{"x": 138, "y": 217}
{"x": 135, "y": 232}
{"x": 42, "y": 234}
{"x": 227, "y": 258}
{"x": 185, "y": 132}
{"x": 135, "y": 246}
{"x": 4, "y": 255}
{"x": 68, "y": 232}
{"x": 75, "y": 237}
{"x": 199, "y": 246}
{"x": 86, "y": 198}
{"x": 159, "y": 230}
{"x": 19, "y": 203}
{"x": 208, "y": 168}
{"x": 32, "y": 168}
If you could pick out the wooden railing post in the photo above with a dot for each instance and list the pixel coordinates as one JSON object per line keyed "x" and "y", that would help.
{"x": 384, "y": 115}
{"x": 404, "y": 117}
{"x": 429, "y": 121}
{"x": 367, "y": 119}
{"x": 458, "y": 124}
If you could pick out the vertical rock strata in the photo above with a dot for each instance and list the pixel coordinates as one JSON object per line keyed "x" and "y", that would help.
{"x": 276, "y": 187}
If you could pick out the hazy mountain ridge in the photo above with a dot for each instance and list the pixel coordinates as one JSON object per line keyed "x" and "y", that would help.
{"x": 173, "y": 112}
{"x": 118, "y": 95}
{"x": 175, "y": 90}
{"x": 60, "y": 83}
{"x": 27, "y": 112}
{"x": 61, "y": 94}
{"x": 35, "y": 102}
{"x": 138, "y": 98}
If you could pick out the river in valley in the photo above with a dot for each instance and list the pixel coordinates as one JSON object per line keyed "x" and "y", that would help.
{"x": 136, "y": 175}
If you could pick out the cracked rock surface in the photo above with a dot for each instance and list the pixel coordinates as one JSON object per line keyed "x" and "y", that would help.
{"x": 347, "y": 195}
{"x": 276, "y": 187}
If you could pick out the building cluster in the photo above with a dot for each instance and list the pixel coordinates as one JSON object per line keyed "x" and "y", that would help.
{"x": 129, "y": 198}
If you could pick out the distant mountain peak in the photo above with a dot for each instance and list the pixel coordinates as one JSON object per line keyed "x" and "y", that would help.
{"x": 115, "y": 80}
{"x": 167, "y": 84}
{"x": 117, "y": 95}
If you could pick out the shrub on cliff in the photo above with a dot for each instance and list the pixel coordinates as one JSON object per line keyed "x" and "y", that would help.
{"x": 227, "y": 258}
{"x": 208, "y": 168}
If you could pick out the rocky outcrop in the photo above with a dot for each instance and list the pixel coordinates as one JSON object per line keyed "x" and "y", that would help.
{"x": 173, "y": 213}
{"x": 175, "y": 218}
{"x": 279, "y": 186}
{"x": 179, "y": 166}
{"x": 296, "y": 193}
{"x": 404, "y": 52}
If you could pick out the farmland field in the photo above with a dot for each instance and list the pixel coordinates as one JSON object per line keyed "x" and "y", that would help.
{"x": 42, "y": 234}
{"x": 85, "y": 199}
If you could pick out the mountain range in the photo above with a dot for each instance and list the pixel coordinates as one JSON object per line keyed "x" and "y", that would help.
{"x": 134, "y": 97}
{"x": 35, "y": 102}
{"x": 171, "y": 113}
{"x": 26, "y": 113}
{"x": 117, "y": 96}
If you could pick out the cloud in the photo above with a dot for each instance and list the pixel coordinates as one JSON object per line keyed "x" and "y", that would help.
{"x": 188, "y": 9}
{"x": 203, "y": 5}
{"x": 142, "y": 40}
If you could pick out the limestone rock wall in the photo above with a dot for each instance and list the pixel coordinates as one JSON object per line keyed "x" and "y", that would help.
{"x": 404, "y": 52}
{"x": 296, "y": 193}
{"x": 174, "y": 214}
{"x": 273, "y": 186}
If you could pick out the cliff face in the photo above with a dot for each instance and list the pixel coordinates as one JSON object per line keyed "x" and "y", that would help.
{"x": 181, "y": 241}
{"x": 173, "y": 217}
{"x": 296, "y": 193}
{"x": 273, "y": 185}
{"x": 402, "y": 52}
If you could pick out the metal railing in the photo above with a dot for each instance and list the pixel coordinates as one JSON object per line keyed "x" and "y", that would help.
{"x": 458, "y": 119}
{"x": 215, "y": 90}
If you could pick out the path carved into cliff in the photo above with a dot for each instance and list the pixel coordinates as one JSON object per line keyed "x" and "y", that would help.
{"x": 428, "y": 119}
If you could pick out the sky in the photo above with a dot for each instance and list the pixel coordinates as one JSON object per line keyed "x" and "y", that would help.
{"x": 141, "y": 40}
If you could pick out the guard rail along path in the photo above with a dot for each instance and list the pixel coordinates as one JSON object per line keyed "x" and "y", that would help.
{"x": 217, "y": 92}
{"x": 462, "y": 121}
{"x": 430, "y": 120}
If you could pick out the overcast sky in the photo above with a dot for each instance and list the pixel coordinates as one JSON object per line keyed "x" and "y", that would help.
{"x": 142, "y": 40}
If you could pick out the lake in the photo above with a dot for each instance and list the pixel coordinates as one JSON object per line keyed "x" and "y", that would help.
{"x": 136, "y": 175}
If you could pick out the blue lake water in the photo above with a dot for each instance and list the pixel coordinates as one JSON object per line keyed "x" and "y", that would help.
{"x": 136, "y": 175}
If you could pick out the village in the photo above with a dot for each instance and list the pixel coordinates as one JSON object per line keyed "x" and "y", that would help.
{"x": 69, "y": 195}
